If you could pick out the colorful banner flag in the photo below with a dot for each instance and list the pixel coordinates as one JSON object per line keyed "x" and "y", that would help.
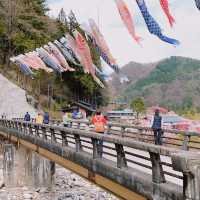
{"x": 127, "y": 19}
{"x": 84, "y": 52}
{"x": 67, "y": 52}
{"x": 69, "y": 41}
{"x": 25, "y": 68}
{"x": 152, "y": 25}
{"x": 197, "y": 4}
{"x": 49, "y": 60}
{"x": 165, "y": 6}
{"x": 101, "y": 41}
{"x": 38, "y": 61}
{"x": 60, "y": 57}
{"x": 90, "y": 37}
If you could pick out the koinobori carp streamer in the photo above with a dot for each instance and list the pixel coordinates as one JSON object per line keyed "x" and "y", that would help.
{"x": 197, "y": 4}
{"x": 165, "y": 6}
{"x": 99, "y": 38}
{"x": 152, "y": 25}
{"x": 103, "y": 55}
{"x": 127, "y": 19}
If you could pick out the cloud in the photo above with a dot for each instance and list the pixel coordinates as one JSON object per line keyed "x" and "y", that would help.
{"x": 122, "y": 45}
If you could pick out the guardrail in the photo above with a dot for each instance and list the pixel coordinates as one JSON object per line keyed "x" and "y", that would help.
{"x": 144, "y": 168}
{"x": 176, "y": 138}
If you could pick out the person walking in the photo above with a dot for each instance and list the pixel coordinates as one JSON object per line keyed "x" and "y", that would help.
{"x": 39, "y": 119}
{"x": 99, "y": 122}
{"x": 46, "y": 118}
{"x": 157, "y": 128}
{"x": 27, "y": 117}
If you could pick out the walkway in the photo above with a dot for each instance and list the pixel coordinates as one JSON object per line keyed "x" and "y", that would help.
{"x": 130, "y": 169}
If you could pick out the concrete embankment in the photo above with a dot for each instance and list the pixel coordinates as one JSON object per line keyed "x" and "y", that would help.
{"x": 13, "y": 100}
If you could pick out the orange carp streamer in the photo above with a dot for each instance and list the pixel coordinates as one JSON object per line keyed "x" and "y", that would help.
{"x": 127, "y": 19}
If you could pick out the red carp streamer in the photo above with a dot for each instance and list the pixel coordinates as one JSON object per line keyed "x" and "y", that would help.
{"x": 165, "y": 7}
{"x": 84, "y": 52}
{"x": 127, "y": 19}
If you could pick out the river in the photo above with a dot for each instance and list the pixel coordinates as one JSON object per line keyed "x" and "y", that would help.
{"x": 26, "y": 175}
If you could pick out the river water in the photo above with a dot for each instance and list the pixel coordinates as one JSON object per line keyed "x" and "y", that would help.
{"x": 26, "y": 175}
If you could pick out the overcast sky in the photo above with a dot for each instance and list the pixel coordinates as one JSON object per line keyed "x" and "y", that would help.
{"x": 123, "y": 47}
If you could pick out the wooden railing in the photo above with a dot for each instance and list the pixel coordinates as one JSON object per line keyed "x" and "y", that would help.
{"x": 127, "y": 147}
{"x": 175, "y": 138}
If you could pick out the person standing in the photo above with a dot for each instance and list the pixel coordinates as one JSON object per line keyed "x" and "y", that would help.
{"x": 39, "y": 119}
{"x": 27, "y": 117}
{"x": 75, "y": 113}
{"x": 66, "y": 119}
{"x": 157, "y": 128}
{"x": 46, "y": 118}
{"x": 99, "y": 122}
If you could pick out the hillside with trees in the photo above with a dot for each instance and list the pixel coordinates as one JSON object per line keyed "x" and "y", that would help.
{"x": 173, "y": 83}
{"x": 24, "y": 26}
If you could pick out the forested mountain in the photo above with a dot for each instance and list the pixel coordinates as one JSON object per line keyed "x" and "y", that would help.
{"x": 173, "y": 83}
{"x": 24, "y": 26}
{"x": 133, "y": 71}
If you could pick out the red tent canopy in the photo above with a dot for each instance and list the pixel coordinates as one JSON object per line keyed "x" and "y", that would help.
{"x": 184, "y": 126}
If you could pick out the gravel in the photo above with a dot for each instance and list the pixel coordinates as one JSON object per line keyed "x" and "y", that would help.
{"x": 68, "y": 186}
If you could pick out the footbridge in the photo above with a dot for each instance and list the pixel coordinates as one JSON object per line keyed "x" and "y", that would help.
{"x": 131, "y": 167}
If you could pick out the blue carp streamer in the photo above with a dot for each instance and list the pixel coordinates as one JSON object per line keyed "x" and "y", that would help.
{"x": 152, "y": 25}
{"x": 197, "y": 4}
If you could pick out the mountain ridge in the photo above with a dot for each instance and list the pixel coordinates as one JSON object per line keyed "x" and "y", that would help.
{"x": 172, "y": 82}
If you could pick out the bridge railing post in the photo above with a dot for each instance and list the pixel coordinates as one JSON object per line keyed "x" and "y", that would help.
{"x": 140, "y": 132}
{"x": 20, "y": 126}
{"x": 109, "y": 129}
{"x": 96, "y": 153}
{"x": 30, "y": 129}
{"x": 158, "y": 176}
{"x": 9, "y": 123}
{"x": 64, "y": 138}
{"x": 186, "y": 142}
{"x": 121, "y": 158}
{"x": 53, "y": 137}
{"x": 78, "y": 142}
{"x": 78, "y": 125}
{"x": 123, "y": 129}
{"x": 44, "y": 133}
{"x": 16, "y": 125}
{"x": 189, "y": 165}
{"x": 71, "y": 124}
{"x": 37, "y": 133}
{"x": 157, "y": 169}
{"x": 24, "y": 128}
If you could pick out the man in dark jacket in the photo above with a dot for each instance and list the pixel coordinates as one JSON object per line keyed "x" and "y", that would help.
{"x": 46, "y": 118}
{"x": 27, "y": 117}
{"x": 157, "y": 128}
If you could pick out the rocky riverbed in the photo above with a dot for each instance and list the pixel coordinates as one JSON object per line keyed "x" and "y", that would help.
{"x": 63, "y": 185}
{"x": 68, "y": 186}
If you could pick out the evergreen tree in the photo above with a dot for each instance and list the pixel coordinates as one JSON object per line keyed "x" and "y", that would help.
{"x": 62, "y": 17}
{"x": 25, "y": 26}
